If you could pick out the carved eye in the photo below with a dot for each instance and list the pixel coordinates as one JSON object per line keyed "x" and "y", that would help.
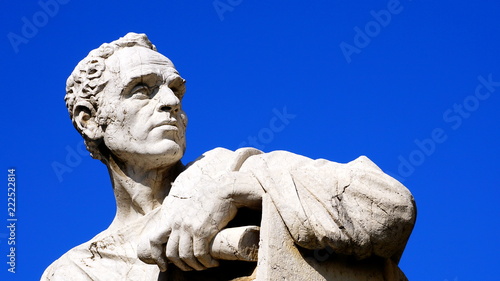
{"x": 141, "y": 91}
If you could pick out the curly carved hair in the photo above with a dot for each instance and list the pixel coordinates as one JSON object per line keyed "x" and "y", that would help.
{"x": 86, "y": 83}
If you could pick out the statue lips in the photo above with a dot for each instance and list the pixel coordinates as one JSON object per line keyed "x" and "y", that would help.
{"x": 169, "y": 125}
{"x": 169, "y": 129}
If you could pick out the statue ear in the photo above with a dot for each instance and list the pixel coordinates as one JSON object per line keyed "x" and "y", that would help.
{"x": 84, "y": 118}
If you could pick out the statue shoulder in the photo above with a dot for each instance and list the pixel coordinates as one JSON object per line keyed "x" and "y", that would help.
{"x": 69, "y": 266}
{"x": 114, "y": 248}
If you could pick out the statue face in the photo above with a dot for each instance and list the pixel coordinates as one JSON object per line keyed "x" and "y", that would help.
{"x": 147, "y": 124}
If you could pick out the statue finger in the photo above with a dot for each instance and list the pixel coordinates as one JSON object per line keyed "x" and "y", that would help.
{"x": 172, "y": 252}
{"x": 157, "y": 248}
{"x": 186, "y": 252}
{"x": 201, "y": 250}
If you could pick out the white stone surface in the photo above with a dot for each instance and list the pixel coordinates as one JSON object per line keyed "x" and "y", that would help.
{"x": 125, "y": 100}
{"x": 281, "y": 259}
{"x": 235, "y": 243}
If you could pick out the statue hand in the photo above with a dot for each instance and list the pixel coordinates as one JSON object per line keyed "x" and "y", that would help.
{"x": 187, "y": 226}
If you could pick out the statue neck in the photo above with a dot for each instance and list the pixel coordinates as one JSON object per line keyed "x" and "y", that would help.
{"x": 137, "y": 190}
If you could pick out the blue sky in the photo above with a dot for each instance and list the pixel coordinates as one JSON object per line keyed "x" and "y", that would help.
{"x": 413, "y": 85}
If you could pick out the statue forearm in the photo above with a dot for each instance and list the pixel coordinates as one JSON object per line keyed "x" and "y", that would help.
{"x": 243, "y": 189}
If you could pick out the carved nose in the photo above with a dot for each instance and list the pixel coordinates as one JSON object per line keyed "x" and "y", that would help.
{"x": 169, "y": 108}
{"x": 167, "y": 101}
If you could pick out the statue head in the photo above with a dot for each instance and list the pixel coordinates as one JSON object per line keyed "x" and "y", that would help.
{"x": 124, "y": 98}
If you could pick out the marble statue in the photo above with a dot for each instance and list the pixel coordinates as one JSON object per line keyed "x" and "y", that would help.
{"x": 229, "y": 215}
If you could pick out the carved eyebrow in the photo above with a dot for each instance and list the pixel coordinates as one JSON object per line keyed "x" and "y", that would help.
{"x": 150, "y": 80}
{"x": 177, "y": 84}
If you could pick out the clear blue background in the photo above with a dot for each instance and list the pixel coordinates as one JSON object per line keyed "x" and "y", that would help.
{"x": 241, "y": 65}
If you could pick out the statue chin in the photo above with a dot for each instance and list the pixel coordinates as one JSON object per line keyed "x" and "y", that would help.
{"x": 156, "y": 156}
{"x": 148, "y": 152}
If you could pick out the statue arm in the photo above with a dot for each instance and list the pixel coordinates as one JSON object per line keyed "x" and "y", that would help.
{"x": 242, "y": 188}
{"x": 202, "y": 200}
{"x": 355, "y": 208}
